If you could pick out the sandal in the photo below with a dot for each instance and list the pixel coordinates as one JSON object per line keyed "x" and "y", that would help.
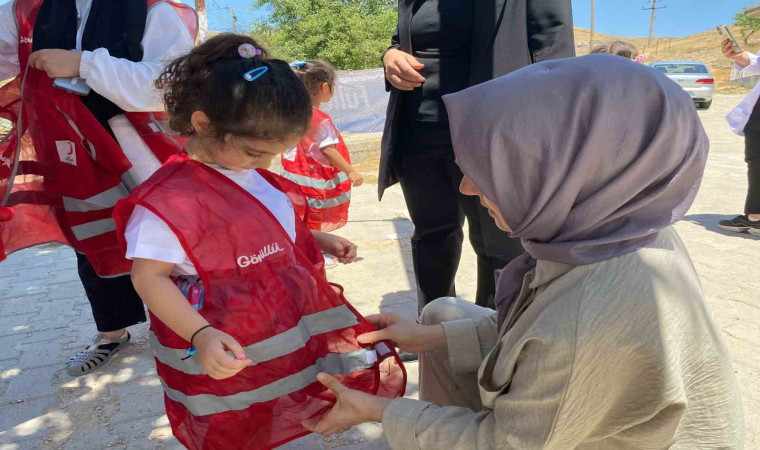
{"x": 96, "y": 354}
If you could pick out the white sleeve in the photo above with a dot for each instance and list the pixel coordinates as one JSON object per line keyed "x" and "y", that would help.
{"x": 327, "y": 135}
{"x": 753, "y": 67}
{"x": 8, "y": 42}
{"x": 129, "y": 84}
{"x": 149, "y": 237}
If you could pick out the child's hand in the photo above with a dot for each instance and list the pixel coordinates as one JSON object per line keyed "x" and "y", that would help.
{"x": 356, "y": 178}
{"x": 212, "y": 346}
{"x": 334, "y": 245}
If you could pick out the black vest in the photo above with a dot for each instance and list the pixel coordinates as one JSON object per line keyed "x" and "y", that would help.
{"x": 116, "y": 25}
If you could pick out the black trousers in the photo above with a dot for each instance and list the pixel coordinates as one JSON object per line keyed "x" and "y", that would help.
{"x": 115, "y": 304}
{"x": 752, "y": 157}
{"x": 430, "y": 181}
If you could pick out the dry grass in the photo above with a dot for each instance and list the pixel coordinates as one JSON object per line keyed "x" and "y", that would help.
{"x": 704, "y": 47}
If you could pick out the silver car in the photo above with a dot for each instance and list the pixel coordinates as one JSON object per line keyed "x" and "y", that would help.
{"x": 693, "y": 77}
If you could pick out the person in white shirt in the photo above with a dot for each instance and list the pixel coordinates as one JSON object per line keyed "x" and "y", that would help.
{"x": 119, "y": 59}
{"x": 745, "y": 121}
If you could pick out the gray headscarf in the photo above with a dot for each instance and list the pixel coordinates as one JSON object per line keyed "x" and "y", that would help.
{"x": 587, "y": 158}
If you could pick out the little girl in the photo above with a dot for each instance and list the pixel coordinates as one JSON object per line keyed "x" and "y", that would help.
{"x": 320, "y": 164}
{"x": 242, "y": 317}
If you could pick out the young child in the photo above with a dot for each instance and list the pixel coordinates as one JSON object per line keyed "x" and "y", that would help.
{"x": 242, "y": 316}
{"x": 320, "y": 164}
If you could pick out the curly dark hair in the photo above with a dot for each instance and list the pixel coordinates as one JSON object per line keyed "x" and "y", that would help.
{"x": 274, "y": 107}
{"x": 314, "y": 73}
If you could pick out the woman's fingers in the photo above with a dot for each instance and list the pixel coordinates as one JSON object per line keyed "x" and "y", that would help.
{"x": 331, "y": 383}
{"x": 402, "y": 84}
{"x": 375, "y": 336}
{"x": 409, "y": 69}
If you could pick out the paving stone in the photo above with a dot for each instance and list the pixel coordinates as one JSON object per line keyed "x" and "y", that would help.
{"x": 41, "y": 354}
{"x": 49, "y": 335}
{"x": 147, "y": 433}
{"x": 63, "y": 276}
{"x": 25, "y": 288}
{"x": 96, "y": 439}
{"x": 65, "y": 290}
{"x": 24, "y": 421}
{"x": 20, "y": 305}
{"x": 8, "y": 347}
{"x": 30, "y": 384}
{"x": 138, "y": 401}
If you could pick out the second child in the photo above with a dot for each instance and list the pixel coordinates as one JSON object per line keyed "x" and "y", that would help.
{"x": 320, "y": 163}
{"x": 242, "y": 316}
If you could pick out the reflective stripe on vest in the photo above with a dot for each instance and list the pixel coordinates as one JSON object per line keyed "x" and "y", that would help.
{"x": 332, "y": 363}
{"x": 104, "y": 200}
{"x": 92, "y": 229}
{"x": 279, "y": 345}
{"x": 316, "y": 183}
{"x": 330, "y": 202}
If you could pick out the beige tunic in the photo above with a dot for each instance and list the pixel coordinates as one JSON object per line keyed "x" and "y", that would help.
{"x": 622, "y": 354}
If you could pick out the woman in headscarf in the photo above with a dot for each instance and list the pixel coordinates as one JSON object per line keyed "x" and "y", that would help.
{"x": 602, "y": 339}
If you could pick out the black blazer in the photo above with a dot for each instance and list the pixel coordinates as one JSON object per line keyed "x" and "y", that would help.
{"x": 506, "y": 35}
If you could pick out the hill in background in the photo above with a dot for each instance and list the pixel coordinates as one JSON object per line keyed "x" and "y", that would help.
{"x": 704, "y": 47}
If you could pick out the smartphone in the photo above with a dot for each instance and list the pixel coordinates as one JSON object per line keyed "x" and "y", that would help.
{"x": 725, "y": 32}
{"x": 74, "y": 85}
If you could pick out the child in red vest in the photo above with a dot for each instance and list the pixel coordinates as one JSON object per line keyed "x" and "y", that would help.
{"x": 320, "y": 164}
{"x": 242, "y": 316}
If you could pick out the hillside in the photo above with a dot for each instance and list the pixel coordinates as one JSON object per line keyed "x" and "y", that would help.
{"x": 704, "y": 47}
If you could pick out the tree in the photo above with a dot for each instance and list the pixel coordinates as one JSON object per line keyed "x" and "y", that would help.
{"x": 351, "y": 34}
{"x": 748, "y": 24}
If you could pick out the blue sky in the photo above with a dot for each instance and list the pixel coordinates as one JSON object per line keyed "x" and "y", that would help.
{"x": 680, "y": 18}
{"x": 619, "y": 17}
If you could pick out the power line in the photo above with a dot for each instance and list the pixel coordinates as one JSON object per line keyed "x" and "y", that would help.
{"x": 654, "y": 8}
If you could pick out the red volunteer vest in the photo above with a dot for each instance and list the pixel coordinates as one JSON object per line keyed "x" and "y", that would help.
{"x": 271, "y": 295}
{"x": 327, "y": 188}
{"x": 61, "y": 172}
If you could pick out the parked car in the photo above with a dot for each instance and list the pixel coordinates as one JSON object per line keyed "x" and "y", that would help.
{"x": 693, "y": 77}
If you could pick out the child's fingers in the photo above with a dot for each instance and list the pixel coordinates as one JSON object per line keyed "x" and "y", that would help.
{"x": 232, "y": 345}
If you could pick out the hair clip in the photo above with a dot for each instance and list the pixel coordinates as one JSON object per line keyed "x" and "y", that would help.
{"x": 248, "y": 51}
{"x": 254, "y": 74}
{"x": 299, "y": 64}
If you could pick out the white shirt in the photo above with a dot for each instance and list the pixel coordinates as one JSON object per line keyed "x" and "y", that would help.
{"x": 127, "y": 84}
{"x": 149, "y": 237}
{"x": 326, "y": 136}
{"x": 739, "y": 117}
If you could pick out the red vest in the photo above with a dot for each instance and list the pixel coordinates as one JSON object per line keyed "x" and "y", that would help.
{"x": 327, "y": 188}
{"x": 271, "y": 295}
{"x": 60, "y": 170}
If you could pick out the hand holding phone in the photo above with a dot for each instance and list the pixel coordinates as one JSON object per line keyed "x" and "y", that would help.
{"x": 72, "y": 84}
{"x": 725, "y": 32}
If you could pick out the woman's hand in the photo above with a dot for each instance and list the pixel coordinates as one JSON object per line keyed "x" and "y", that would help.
{"x": 334, "y": 245}
{"x": 56, "y": 63}
{"x": 740, "y": 58}
{"x": 356, "y": 178}
{"x": 352, "y": 408}
{"x": 212, "y": 346}
{"x": 405, "y": 334}
{"x": 401, "y": 70}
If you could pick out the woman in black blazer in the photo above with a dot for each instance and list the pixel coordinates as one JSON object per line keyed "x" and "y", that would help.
{"x": 441, "y": 47}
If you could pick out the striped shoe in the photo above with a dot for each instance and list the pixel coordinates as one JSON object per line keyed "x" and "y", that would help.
{"x": 96, "y": 354}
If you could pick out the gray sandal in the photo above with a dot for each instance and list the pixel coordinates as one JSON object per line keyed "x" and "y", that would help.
{"x": 96, "y": 354}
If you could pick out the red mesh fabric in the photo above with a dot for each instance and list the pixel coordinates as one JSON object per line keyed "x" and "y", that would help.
{"x": 63, "y": 153}
{"x": 217, "y": 222}
{"x": 305, "y": 165}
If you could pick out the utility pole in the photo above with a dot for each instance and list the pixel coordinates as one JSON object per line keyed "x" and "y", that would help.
{"x": 654, "y": 8}
{"x": 233, "y": 18}
{"x": 593, "y": 15}
{"x": 200, "y": 9}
